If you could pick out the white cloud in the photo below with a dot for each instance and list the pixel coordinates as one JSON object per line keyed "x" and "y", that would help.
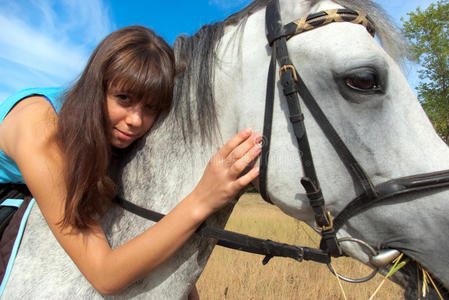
{"x": 22, "y": 44}
{"x": 15, "y": 75}
{"x": 91, "y": 18}
{"x": 46, "y": 42}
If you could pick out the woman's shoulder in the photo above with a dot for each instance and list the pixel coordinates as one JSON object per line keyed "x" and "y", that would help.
{"x": 29, "y": 123}
{"x": 53, "y": 95}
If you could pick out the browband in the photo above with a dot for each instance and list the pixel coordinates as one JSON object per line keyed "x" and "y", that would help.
{"x": 322, "y": 18}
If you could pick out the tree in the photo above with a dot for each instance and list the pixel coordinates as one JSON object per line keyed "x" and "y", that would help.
{"x": 427, "y": 32}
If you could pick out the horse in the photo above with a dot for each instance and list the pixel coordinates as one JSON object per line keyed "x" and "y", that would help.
{"x": 362, "y": 91}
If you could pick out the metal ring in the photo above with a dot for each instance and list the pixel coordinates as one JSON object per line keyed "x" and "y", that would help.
{"x": 367, "y": 246}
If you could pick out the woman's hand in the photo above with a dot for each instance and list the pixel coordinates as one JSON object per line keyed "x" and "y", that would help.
{"x": 222, "y": 178}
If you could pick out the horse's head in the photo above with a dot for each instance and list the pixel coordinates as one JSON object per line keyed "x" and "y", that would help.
{"x": 362, "y": 92}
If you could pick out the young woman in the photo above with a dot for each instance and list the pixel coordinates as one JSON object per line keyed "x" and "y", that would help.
{"x": 63, "y": 156}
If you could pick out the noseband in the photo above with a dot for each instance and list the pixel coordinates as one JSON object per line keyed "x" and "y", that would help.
{"x": 293, "y": 88}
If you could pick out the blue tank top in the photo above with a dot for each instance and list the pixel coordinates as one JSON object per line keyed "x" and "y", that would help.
{"x": 9, "y": 172}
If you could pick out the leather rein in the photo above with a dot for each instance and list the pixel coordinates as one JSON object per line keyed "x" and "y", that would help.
{"x": 293, "y": 87}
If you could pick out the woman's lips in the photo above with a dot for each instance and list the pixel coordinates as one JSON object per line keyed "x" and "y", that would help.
{"x": 123, "y": 135}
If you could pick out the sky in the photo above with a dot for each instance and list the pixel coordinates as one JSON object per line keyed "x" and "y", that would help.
{"x": 48, "y": 42}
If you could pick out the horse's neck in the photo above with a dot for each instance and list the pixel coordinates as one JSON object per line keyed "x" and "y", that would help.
{"x": 165, "y": 169}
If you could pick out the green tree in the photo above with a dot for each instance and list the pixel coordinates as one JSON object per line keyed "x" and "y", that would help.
{"x": 427, "y": 32}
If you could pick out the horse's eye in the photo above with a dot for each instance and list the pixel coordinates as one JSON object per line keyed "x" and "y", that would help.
{"x": 363, "y": 82}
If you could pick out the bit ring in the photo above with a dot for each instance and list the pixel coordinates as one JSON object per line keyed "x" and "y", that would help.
{"x": 366, "y": 246}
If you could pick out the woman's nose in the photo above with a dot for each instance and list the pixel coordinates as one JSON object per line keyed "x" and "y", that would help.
{"x": 134, "y": 117}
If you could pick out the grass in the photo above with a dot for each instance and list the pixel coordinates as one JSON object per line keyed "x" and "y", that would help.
{"x": 231, "y": 274}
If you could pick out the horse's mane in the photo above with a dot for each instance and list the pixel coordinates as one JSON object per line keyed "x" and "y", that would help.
{"x": 194, "y": 103}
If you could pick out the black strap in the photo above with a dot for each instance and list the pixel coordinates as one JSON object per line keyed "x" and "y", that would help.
{"x": 276, "y": 37}
{"x": 238, "y": 241}
{"x": 13, "y": 191}
{"x": 400, "y": 186}
{"x": 280, "y": 53}
{"x": 357, "y": 173}
{"x": 10, "y": 191}
{"x": 268, "y": 120}
{"x": 310, "y": 180}
{"x": 273, "y": 23}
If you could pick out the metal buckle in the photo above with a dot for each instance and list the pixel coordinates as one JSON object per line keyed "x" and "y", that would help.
{"x": 331, "y": 223}
{"x": 285, "y": 68}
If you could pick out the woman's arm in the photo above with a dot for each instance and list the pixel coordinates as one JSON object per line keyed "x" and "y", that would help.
{"x": 34, "y": 149}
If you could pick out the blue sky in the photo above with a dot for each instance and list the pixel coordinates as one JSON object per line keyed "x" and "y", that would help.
{"x": 47, "y": 42}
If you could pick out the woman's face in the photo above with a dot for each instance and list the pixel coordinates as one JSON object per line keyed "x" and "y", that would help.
{"x": 130, "y": 118}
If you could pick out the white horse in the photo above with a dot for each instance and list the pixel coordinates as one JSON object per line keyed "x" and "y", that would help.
{"x": 223, "y": 90}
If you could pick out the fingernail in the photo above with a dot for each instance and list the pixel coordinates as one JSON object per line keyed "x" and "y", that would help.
{"x": 247, "y": 132}
{"x": 258, "y": 139}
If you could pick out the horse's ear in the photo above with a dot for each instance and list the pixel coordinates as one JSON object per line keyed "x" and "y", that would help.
{"x": 180, "y": 59}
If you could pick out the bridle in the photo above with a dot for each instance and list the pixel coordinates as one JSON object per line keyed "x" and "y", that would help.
{"x": 293, "y": 87}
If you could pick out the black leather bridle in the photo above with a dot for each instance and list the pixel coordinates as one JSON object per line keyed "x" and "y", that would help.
{"x": 293, "y": 87}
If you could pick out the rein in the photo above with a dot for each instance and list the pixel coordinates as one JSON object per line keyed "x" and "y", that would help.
{"x": 293, "y": 89}
{"x": 236, "y": 240}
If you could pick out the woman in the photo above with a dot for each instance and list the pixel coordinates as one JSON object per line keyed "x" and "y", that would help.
{"x": 64, "y": 158}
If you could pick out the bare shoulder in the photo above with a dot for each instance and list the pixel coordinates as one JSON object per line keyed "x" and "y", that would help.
{"x": 32, "y": 122}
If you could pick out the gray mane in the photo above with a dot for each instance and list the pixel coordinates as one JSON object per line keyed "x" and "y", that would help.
{"x": 194, "y": 104}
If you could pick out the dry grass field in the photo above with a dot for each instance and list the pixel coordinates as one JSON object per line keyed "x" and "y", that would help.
{"x": 231, "y": 274}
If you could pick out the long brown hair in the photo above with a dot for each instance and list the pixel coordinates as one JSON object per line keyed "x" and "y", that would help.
{"x": 137, "y": 62}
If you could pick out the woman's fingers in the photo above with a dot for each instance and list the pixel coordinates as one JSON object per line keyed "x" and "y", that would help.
{"x": 222, "y": 178}
{"x": 234, "y": 142}
{"x": 242, "y": 149}
{"x": 243, "y": 162}
{"x": 244, "y": 180}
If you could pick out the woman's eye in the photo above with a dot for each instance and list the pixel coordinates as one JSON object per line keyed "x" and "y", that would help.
{"x": 365, "y": 82}
{"x": 152, "y": 108}
{"x": 123, "y": 98}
